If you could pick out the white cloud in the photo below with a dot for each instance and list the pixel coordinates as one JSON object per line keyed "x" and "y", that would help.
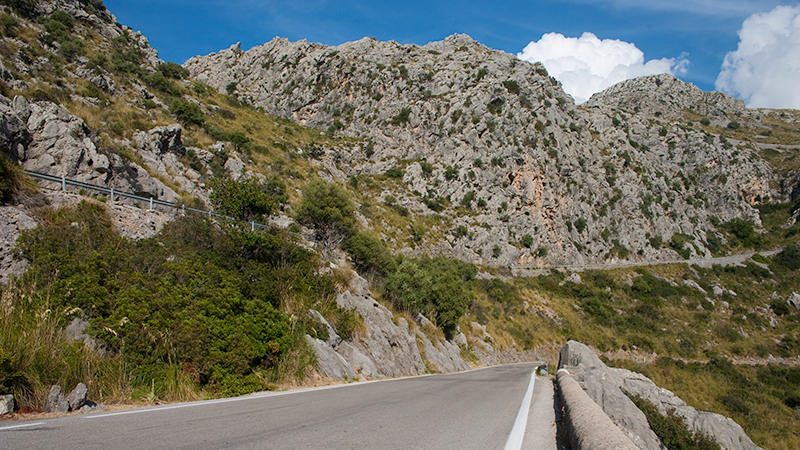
{"x": 765, "y": 70}
{"x": 586, "y": 65}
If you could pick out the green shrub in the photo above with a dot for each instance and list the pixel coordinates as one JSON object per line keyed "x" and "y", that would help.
{"x": 742, "y": 233}
{"x": 172, "y": 70}
{"x": 370, "y": 254}
{"x": 196, "y": 297}
{"x": 789, "y": 257}
{"x": 466, "y": 200}
{"x": 671, "y": 429}
{"x": 436, "y": 287}
{"x": 512, "y": 86}
{"x": 247, "y": 199}
{"x": 394, "y": 172}
{"x": 187, "y": 112}
{"x": 402, "y": 117}
{"x": 527, "y": 241}
{"x": 327, "y": 208}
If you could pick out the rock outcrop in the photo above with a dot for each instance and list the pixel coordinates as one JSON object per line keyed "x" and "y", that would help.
{"x": 605, "y": 386}
{"x": 388, "y": 346}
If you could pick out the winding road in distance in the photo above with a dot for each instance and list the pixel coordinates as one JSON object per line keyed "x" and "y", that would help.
{"x": 500, "y": 407}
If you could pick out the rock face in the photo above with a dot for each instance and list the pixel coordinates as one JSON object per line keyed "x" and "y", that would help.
{"x": 392, "y": 348}
{"x": 388, "y": 347}
{"x": 604, "y": 385}
{"x": 44, "y": 137}
{"x": 13, "y": 220}
{"x": 465, "y": 123}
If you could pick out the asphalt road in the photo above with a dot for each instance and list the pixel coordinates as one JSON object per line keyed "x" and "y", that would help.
{"x": 468, "y": 410}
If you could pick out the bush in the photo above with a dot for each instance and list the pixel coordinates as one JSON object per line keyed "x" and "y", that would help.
{"x": 402, "y": 117}
{"x": 247, "y": 199}
{"x": 327, "y": 208}
{"x": 172, "y": 70}
{"x": 370, "y": 254}
{"x": 436, "y": 287}
{"x": 187, "y": 112}
{"x": 789, "y": 257}
{"x": 194, "y": 300}
{"x": 743, "y": 233}
{"x": 527, "y": 241}
{"x": 671, "y": 429}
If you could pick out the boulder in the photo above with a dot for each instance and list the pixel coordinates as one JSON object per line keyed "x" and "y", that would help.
{"x": 794, "y": 300}
{"x": 360, "y": 362}
{"x": 56, "y": 403}
{"x": 6, "y": 404}
{"x": 77, "y": 397}
{"x": 161, "y": 140}
{"x": 445, "y": 356}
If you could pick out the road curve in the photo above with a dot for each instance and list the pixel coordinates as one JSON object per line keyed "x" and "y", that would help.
{"x": 468, "y": 410}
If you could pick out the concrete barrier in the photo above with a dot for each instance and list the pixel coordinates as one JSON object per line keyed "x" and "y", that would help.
{"x": 588, "y": 426}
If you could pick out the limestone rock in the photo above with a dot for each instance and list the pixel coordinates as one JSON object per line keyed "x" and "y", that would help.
{"x": 360, "y": 363}
{"x": 391, "y": 347}
{"x": 13, "y": 220}
{"x": 161, "y": 140}
{"x": 503, "y": 133}
{"x": 77, "y": 397}
{"x": 444, "y": 355}
{"x": 604, "y": 385}
{"x": 794, "y": 300}
{"x": 56, "y": 402}
{"x": 329, "y": 363}
{"x": 333, "y": 339}
{"x": 6, "y": 404}
{"x": 693, "y": 284}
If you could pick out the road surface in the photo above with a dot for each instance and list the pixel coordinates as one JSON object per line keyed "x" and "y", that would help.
{"x": 468, "y": 410}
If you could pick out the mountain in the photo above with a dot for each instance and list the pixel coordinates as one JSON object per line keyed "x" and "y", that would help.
{"x": 449, "y": 149}
{"x": 512, "y": 171}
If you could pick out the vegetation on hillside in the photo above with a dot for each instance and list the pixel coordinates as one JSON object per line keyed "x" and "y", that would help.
{"x": 198, "y": 308}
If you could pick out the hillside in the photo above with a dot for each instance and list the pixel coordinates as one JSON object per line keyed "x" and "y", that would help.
{"x": 490, "y": 149}
{"x": 405, "y": 190}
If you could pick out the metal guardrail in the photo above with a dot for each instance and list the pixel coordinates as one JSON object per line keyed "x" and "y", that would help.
{"x": 112, "y": 195}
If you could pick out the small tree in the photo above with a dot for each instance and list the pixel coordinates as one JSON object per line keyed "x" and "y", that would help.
{"x": 246, "y": 199}
{"x": 327, "y": 208}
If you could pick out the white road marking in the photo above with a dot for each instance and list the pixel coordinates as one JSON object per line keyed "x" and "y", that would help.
{"x": 514, "y": 441}
{"x": 21, "y": 426}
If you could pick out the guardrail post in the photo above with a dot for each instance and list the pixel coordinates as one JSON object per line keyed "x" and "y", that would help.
{"x": 112, "y": 194}
{"x": 252, "y": 226}
{"x": 63, "y": 183}
{"x": 151, "y": 203}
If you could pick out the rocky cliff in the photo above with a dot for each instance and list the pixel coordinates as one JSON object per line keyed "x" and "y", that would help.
{"x": 493, "y": 146}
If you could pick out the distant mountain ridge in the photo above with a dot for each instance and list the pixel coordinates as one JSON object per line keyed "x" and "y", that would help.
{"x": 612, "y": 179}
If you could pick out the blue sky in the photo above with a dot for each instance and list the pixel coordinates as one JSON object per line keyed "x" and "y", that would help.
{"x": 702, "y": 32}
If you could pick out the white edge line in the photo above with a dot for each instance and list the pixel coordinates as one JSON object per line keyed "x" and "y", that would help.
{"x": 21, "y": 426}
{"x": 514, "y": 441}
{"x": 295, "y": 391}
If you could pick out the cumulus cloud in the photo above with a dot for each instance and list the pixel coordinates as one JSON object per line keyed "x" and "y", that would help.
{"x": 586, "y": 65}
{"x": 765, "y": 70}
